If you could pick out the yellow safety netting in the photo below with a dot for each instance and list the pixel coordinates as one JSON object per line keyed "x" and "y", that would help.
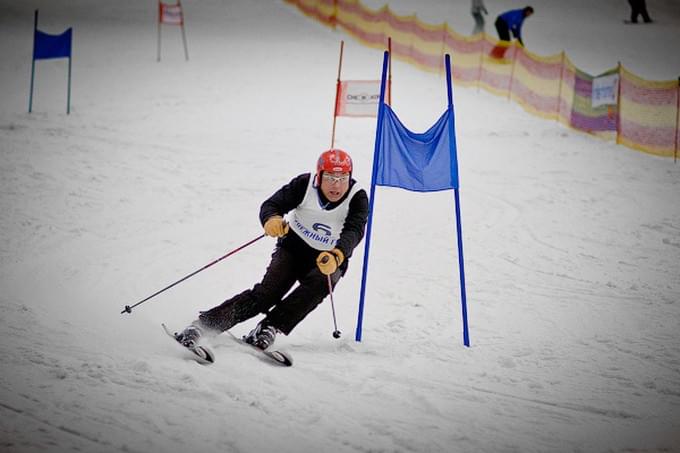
{"x": 644, "y": 115}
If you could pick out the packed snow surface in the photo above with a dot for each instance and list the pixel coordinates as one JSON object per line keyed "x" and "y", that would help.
{"x": 571, "y": 243}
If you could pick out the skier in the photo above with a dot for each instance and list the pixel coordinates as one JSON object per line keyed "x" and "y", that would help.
{"x": 326, "y": 216}
{"x": 637, "y": 8}
{"x": 511, "y": 21}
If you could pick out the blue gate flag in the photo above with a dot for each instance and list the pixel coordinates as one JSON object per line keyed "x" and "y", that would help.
{"x": 52, "y": 46}
{"x": 424, "y": 162}
{"x": 46, "y": 46}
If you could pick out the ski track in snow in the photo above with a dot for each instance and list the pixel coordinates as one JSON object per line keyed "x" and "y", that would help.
{"x": 572, "y": 247}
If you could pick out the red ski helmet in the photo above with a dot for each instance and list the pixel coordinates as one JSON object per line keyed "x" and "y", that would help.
{"x": 334, "y": 160}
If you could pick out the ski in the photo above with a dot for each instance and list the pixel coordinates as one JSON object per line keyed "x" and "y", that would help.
{"x": 279, "y": 357}
{"x": 201, "y": 354}
{"x": 205, "y": 356}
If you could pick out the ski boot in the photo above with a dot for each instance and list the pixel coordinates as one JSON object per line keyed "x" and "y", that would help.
{"x": 189, "y": 336}
{"x": 262, "y": 336}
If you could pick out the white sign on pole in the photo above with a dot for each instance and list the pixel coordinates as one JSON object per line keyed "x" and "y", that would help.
{"x": 358, "y": 98}
{"x": 605, "y": 90}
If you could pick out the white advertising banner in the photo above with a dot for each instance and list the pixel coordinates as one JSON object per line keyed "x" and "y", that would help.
{"x": 358, "y": 98}
{"x": 605, "y": 90}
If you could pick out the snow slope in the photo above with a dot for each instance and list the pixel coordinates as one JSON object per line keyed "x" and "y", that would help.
{"x": 572, "y": 245}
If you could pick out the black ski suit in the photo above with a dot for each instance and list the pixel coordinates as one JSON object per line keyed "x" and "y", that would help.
{"x": 293, "y": 261}
{"x": 637, "y": 8}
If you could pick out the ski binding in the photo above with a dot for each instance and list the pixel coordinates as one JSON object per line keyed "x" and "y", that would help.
{"x": 201, "y": 354}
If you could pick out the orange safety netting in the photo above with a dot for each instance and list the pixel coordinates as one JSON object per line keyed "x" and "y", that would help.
{"x": 644, "y": 116}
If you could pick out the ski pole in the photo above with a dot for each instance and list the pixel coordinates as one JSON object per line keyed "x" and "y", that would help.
{"x": 128, "y": 308}
{"x": 336, "y": 332}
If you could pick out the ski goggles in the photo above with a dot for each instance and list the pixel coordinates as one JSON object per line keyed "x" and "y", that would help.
{"x": 336, "y": 178}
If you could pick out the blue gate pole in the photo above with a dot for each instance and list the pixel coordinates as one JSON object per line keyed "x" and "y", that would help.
{"x": 374, "y": 173}
{"x": 459, "y": 229}
{"x": 68, "y": 95}
{"x": 30, "y": 95}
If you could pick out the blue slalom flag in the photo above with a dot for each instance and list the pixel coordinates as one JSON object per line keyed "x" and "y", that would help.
{"x": 424, "y": 162}
{"x": 48, "y": 46}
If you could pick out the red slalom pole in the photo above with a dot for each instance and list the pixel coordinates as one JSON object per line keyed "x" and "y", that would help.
{"x": 338, "y": 88}
{"x": 128, "y": 308}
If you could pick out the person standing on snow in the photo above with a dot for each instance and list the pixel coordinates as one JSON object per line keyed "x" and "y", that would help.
{"x": 637, "y": 8}
{"x": 511, "y": 21}
{"x": 476, "y": 10}
{"x": 326, "y": 216}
